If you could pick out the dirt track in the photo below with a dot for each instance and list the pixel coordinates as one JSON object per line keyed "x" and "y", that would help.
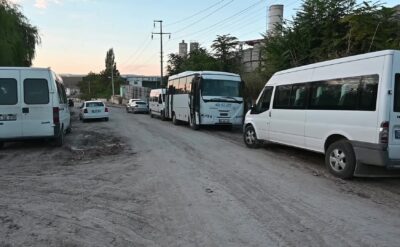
{"x": 136, "y": 181}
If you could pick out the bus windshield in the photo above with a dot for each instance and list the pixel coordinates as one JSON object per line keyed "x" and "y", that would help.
{"x": 211, "y": 87}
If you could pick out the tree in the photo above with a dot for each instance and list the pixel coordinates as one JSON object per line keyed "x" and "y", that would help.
{"x": 224, "y": 47}
{"x": 18, "y": 38}
{"x": 199, "y": 59}
{"x": 328, "y": 29}
{"x": 100, "y": 84}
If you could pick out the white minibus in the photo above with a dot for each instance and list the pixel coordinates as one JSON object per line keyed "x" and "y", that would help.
{"x": 157, "y": 102}
{"x": 33, "y": 104}
{"x": 205, "y": 98}
{"x": 348, "y": 109}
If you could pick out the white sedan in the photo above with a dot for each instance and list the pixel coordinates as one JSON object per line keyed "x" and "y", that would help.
{"x": 93, "y": 110}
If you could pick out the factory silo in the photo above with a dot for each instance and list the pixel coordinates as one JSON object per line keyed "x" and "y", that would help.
{"x": 275, "y": 17}
{"x": 183, "y": 49}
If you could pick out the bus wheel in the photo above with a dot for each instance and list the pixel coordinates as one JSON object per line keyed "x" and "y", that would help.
{"x": 250, "y": 137}
{"x": 1, "y": 145}
{"x": 174, "y": 120}
{"x": 192, "y": 123}
{"x": 340, "y": 159}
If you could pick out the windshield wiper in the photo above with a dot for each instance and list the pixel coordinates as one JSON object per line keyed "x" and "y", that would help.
{"x": 230, "y": 97}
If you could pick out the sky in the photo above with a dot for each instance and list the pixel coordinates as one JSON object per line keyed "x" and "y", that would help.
{"x": 76, "y": 34}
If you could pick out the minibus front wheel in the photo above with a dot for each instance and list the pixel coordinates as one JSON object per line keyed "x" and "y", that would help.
{"x": 250, "y": 137}
{"x": 340, "y": 159}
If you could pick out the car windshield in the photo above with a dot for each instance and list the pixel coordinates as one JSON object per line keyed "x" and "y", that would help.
{"x": 94, "y": 104}
{"x": 228, "y": 88}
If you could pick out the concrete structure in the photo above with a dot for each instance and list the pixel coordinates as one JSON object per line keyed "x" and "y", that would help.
{"x": 194, "y": 46}
{"x": 251, "y": 54}
{"x": 183, "y": 49}
{"x": 275, "y": 18}
{"x": 134, "y": 92}
{"x": 143, "y": 81}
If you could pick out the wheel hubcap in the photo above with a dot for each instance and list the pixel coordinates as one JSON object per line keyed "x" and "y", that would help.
{"x": 337, "y": 160}
{"x": 250, "y": 137}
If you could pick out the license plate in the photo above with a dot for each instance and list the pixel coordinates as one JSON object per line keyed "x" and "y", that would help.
{"x": 95, "y": 111}
{"x": 397, "y": 134}
{"x": 224, "y": 121}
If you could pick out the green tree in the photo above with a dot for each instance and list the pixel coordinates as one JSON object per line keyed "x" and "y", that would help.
{"x": 224, "y": 47}
{"x": 328, "y": 29}
{"x": 100, "y": 84}
{"x": 18, "y": 38}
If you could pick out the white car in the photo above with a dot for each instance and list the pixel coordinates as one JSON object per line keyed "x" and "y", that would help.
{"x": 93, "y": 110}
{"x": 33, "y": 104}
{"x": 137, "y": 106}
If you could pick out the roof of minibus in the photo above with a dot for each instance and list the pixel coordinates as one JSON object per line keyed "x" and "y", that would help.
{"x": 187, "y": 73}
{"x": 340, "y": 60}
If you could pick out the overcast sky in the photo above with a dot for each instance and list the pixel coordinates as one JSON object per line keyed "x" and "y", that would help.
{"x": 76, "y": 34}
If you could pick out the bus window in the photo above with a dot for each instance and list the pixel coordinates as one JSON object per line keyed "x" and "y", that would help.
{"x": 397, "y": 94}
{"x": 211, "y": 87}
{"x": 189, "y": 84}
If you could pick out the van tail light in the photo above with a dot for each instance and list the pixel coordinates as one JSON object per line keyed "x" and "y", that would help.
{"x": 106, "y": 109}
{"x": 384, "y": 133}
{"x": 56, "y": 115}
{"x": 85, "y": 111}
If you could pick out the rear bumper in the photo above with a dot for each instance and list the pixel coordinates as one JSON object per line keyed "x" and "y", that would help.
{"x": 94, "y": 116}
{"x": 374, "y": 154}
{"x": 140, "y": 109}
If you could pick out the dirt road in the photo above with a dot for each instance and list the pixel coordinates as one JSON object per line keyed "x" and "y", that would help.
{"x": 137, "y": 181}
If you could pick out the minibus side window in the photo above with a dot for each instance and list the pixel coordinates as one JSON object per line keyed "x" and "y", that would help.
{"x": 397, "y": 94}
{"x": 282, "y": 97}
{"x": 36, "y": 91}
{"x": 264, "y": 101}
{"x": 8, "y": 92}
{"x": 368, "y": 93}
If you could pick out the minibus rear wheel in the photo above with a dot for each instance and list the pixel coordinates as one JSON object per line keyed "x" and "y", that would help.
{"x": 340, "y": 159}
{"x": 250, "y": 137}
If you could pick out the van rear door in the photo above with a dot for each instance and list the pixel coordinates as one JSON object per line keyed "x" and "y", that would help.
{"x": 10, "y": 105}
{"x": 394, "y": 138}
{"x": 37, "y": 104}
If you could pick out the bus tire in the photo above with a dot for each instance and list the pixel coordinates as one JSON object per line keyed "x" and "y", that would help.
{"x": 1, "y": 145}
{"x": 174, "y": 120}
{"x": 192, "y": 123}
{"x": 250, "y": 137}
{"x": 340, "y": 159}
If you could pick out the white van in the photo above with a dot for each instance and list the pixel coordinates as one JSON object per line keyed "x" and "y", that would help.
{"x": 33, "y": 104}
{"x": 348, "y": 109}
{"x": 157, "y": 102}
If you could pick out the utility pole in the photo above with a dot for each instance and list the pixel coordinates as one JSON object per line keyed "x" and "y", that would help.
{"x": 112, "y": 78}
{"x": 89, "y": 87}
{"x": 161, "y": 46}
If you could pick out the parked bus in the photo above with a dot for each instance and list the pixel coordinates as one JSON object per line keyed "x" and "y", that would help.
{"x": 205, "y": 98}
{"x": 348, "y": 109}
{"x": 157, "y": 102}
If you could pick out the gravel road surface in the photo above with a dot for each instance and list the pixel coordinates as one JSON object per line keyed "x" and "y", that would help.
{"x": 137, "y": 181}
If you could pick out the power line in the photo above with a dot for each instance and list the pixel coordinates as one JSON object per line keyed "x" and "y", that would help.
{"x": 203, "y": 18}
{"x": 194, "y": 15}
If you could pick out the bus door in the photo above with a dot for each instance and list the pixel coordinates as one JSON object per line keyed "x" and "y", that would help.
{"x": 194, "y": 100}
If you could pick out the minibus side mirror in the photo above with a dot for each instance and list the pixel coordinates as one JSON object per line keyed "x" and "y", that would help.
{"x": 253, "y": 109}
